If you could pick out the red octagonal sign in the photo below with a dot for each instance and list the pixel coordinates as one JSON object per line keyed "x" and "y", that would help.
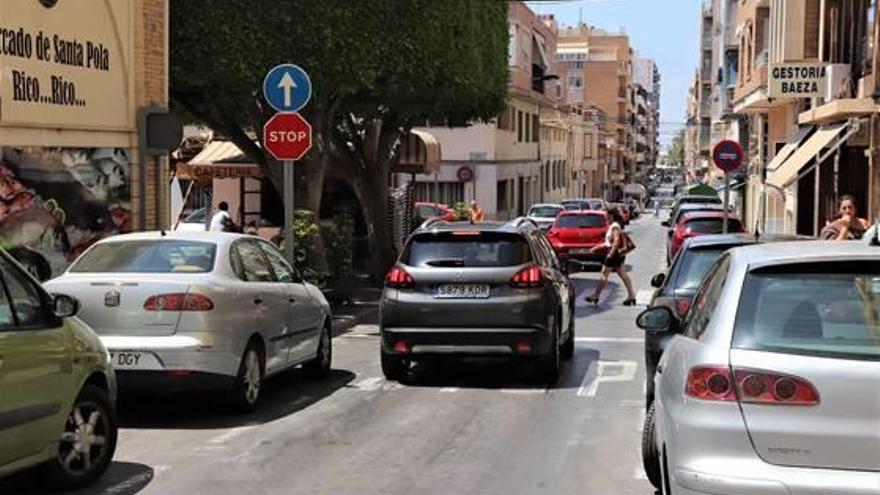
{"x": 287, "y": 136}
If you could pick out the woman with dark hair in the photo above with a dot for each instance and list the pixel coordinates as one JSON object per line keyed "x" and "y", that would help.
{"x": 615, "y": 260}
{"x": 847, "y": 225}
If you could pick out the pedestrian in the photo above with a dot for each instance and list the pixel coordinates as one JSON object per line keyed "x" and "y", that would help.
{"x": 847, "y": 226}
{"x": 222, "y": 220}
{"x": 615, "y": 260}
{"x": 476, "y": 212}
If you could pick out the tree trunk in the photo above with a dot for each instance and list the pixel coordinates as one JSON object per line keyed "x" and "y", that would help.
{"x": 372, "y": 192}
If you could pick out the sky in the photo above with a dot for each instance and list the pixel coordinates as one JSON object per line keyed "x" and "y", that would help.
{"x": 666, "y": 30}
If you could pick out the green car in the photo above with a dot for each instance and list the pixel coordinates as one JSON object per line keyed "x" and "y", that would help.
{"x": 57, "y": 387}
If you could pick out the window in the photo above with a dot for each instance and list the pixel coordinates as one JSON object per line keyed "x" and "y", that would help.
{"x": 547, "y": 175}
{"x": 580, "y": 221}
{"x": 283, "y": 272}
{"x": 501, "y": 202}
{"x": 588, "y": 146}
{"x": 706, "y": 299}
{"x": 536, "y": 125}
{"x": 519, "y": 126}
{"x": 528, "y": 128}
{"x": 504, "y": 121}
{"x": 253, "y": 264}
{"x": 28, "y": 306}
{"x": 485, "y": 249}
{"x": 148, "y": 256}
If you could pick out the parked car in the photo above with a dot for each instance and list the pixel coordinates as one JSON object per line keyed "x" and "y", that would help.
{"x": 430, "y": 211}
{"x": 686, "y": 199}
{"x": 774, "y": 363}
{"x": 189, "y": 310}
{"x": 698, "y": 224}
{"x": 675, "y": 216}
{"x": 544, "y": 214}
{"x": 452, "y": 290}
{"x": 584, "y": 204}
{"x": 575, "y": 233}
{"x": 57, "y": 408}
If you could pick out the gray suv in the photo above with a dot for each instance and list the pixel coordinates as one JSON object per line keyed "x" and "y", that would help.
{"x": 485, "y": 289}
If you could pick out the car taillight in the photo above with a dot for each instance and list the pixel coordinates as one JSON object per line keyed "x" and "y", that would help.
{"x": 179, "y": 302}
{"x": 749, "y": 386}
{"x": 682, "y": 306}
{"x": 398, "y": 278}
{"x": 528, "y": 278}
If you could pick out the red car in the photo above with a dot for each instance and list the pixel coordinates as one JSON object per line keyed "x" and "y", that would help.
{"x": 574, "y": 233}
{"x": 429, "y": 211}
{"x": 697, "y": 224}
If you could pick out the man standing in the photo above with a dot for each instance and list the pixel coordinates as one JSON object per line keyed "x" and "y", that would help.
{"x": 222, "y": 221}
{"x": 476, "y": 212}
{"x": 848, "y": 226}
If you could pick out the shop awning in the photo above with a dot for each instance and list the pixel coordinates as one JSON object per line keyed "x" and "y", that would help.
{"x": 790, "y": 147}
{"x": 420, "y": 154}
{"x": 811, "y": 149}
{"x": 219, "y": 160}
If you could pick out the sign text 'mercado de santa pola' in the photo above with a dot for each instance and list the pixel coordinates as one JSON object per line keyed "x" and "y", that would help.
{"x": 797, "y": 80}
{"x": 67, "y": 65}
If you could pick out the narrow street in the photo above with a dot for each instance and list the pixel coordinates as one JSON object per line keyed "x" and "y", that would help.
{"x": 477, "y": 427}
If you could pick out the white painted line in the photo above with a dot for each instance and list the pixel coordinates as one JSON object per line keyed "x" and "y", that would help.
{"x": 523, "y": 391}
{"x": 643, "y": 297}
{"x": 369, "y": 384}
{"x": 627, "y": 373}
{"x": 627, "y": 340}
{"x": 449, "y": 390}
{"x": 585, "y": 383}
{"x": 229, "y": 435}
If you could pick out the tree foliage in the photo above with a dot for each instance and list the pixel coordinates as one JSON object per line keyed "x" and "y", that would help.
{"x": 378, "y": 68}
{"x": 676, "y": 149}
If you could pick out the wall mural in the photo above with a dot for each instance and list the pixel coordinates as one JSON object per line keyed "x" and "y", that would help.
{"x": 56, "y": 202}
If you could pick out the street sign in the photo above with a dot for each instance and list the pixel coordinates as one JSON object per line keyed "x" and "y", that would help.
{"x": 728, "y": 156}
{"x": 287, "y": 136}
{"x": 465, "y": 174}
{"x": 287, "y": 88}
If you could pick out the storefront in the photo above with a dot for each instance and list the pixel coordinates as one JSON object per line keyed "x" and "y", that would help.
{"x": 75, "y": 84}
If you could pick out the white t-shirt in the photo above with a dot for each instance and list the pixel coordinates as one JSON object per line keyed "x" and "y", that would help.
{"x": 217, "y": 222}
{"x": 609, "y": 234}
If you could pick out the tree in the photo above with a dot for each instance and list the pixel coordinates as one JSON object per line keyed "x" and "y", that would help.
{"x": 378, "y": 68}
{"x": 676, "y": 150}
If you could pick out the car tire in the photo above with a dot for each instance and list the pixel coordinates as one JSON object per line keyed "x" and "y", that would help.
{"x": 650, "y": 455}
{"x": 90, "y": 428}
{"x": 567, "y": 351}
{"x": 393, "y": 366}
{"x": 548, "y": 366}
{"x": 245, "y": 394}
{"x": 320, "y": 366}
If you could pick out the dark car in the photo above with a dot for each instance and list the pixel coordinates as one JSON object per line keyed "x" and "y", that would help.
{"x": 485, "y": 289}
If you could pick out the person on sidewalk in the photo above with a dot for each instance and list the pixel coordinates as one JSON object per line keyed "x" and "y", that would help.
{"x": 476, "y": 212}
{"x": 615, "y": 260}
{"x": 222, "y": 220}
{"x": 847, "y": 226}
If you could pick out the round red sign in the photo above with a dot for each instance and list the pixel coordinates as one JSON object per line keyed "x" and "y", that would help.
{"x": 465, "y": 174}
{"x": 728, "y": 156}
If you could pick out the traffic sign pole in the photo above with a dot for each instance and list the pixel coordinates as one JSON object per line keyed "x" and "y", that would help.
{"x": 288, "y": 210}
{"x": 726, "y": 201}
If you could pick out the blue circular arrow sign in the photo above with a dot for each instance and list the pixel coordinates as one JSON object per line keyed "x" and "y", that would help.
{"x": 287, "y": 88}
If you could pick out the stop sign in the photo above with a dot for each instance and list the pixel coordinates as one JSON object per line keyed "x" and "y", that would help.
{"x": 287, "y": 136}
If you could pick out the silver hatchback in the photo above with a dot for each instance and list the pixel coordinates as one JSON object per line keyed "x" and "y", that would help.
{"x": 771, "y": 385}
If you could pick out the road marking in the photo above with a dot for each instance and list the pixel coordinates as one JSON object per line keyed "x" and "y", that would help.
{"x": 369, "y": 384}
{"x": 629, "y": 340}
{"x": 523, "y": 391}
{"x": 585, "y": 382}
{"x": 626, "y": 374}
{"x": 449, "y": 390}
{"x": 643, "y": 297}
{"x": 229, "y": 434}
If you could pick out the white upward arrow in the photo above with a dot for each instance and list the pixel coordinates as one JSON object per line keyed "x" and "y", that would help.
{"x": 287, "y": 85}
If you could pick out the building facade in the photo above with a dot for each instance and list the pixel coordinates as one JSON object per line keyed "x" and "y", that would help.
{"x": 74, "y": 85}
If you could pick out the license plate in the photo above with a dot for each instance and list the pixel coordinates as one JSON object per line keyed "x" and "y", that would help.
{"x": 134, "y": 360}
{"x": 462, "y": 291}
{"x": 580, "y": 251}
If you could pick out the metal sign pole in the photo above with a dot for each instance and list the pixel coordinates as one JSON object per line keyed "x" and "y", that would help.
{"x": 726, "y": 200}
{"x": 288, "y": 210}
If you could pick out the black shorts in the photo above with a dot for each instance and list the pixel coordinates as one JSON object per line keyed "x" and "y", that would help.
{"x": 614, "y": 262}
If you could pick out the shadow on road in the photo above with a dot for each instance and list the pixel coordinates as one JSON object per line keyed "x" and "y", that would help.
{"x": 283, "y": 395}
{"x": 121, "y": 478}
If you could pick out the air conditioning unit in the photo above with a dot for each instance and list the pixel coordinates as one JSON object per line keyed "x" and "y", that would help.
{"x": 838, "y": 77}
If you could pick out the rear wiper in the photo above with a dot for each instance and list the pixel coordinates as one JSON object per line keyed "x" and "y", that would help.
{"x": 453, "y": 262}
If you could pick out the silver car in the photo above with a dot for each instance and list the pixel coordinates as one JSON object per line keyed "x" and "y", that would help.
{"x": 771, "y": 385}
{"x": 199, "y": 310}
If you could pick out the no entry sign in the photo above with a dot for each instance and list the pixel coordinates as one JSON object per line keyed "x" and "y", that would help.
{"x": 728, "y": 156}
{"x": 287, "y": 136}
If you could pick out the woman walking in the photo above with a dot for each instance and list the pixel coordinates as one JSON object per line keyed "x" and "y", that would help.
{"x": 615, "y": 260}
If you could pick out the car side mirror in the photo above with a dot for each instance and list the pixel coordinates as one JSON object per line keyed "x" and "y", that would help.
{"x": 657, "y": 280}
{"x": 665, "y": 223}
{"x": 658, "y": 319}
{"x": 64, "y": 306}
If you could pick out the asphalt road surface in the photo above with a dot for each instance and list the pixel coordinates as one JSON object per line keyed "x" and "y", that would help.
{"x": 460, "y": 428}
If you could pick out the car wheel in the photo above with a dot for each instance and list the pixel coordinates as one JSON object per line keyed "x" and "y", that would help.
{"x": 548, "y": 366}
{"x": 248, "y": 383}
{"x": 650, "y": 455}
{"x": 568, "y": 346}
{"x": 87, "y": 442}
{"x": 393, "y": 366}
{"x": 320, "y": 366}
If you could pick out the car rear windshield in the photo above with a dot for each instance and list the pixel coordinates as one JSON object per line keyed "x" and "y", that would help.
{"x": 574, "y": 205}
{"x": 545, "y": 211}
{"x": 713, "y": 225}
{"x": 148, "y": 256}
{"x": 701, "y": 201}
{"x": 823, "y": 309}
{"x": 694, "y": 264}
{"x": 467, "y": 249}
{"x": 580, "y": 221}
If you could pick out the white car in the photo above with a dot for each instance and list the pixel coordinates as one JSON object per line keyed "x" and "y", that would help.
{"x": 545, "y": 214}
{"x": 199, "y": 310}
{"x": 771, "y": 385}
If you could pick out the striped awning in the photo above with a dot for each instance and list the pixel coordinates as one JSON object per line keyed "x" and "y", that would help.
{"x": 419, "y": 154}
{"x": 219, "y": 160}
